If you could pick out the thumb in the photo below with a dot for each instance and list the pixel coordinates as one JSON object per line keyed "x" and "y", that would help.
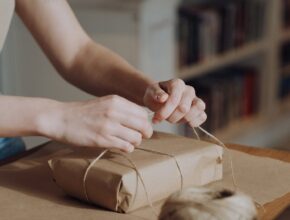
{"x": 159, "y": 95}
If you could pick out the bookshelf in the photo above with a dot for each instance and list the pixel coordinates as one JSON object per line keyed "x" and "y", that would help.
{"x": 285, "y": 36}
{"x": 272, "y": 120}
{"x": 222, "y": 60}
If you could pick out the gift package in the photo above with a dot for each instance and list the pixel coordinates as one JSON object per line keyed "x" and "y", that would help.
{"x": 124, "y": 182}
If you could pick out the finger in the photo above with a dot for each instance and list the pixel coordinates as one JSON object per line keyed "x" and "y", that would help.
{"x": 198, "y": 120}
{"x": 131, "y": 108}
{"x": 175, "y": 91}
{"x": 136, "y": 123}
{"x": 199, "y": 103}
{"x": 128, "y": 135}
{"x": 184, "y": 105}
{"x": 125, "y": 106}
{"x": 118, "y": 143}
{"x": 192, "y": 114}
{"x": 158, "y": 94}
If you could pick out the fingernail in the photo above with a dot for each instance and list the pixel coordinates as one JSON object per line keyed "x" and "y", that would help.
{"x": 155, "y": 120}
{"x": 200, "y": 105}
{"x": 130, "y": 148}
{"x": 150, "y": 133}
{"x": 159, "y": 96}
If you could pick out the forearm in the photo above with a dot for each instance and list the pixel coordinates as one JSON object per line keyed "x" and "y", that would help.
{"x": 79, "y": 60}
{"x": 99, "y": 71}
{"x": 21, "y": 116}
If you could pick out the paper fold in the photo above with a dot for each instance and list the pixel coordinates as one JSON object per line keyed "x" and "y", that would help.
{"x": 113, "y": 182}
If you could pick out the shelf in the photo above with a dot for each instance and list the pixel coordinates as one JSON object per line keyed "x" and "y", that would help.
{"x": 238, "y": 128}
{"x": 285, "y": 36}
{"x": 273, "y": 122}
{"x": 285, "y": 71}
{"x": 284, "y": 105}
{"x": 259, "y": 130}
{"x": 222, "y": 60}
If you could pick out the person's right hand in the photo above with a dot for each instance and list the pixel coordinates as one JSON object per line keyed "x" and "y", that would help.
{"x": 109, "y": 122}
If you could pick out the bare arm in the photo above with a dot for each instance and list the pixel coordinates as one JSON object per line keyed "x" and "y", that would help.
{"x": 100, "y": 122}
{"x": 108, "y": 121}
{"x": 78, "y": 59}
{"x": 19, "y": 115}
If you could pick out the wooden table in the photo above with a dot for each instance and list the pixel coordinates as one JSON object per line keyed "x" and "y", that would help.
{"x": 272, "y": 209}
{"x": 275, "y": 207}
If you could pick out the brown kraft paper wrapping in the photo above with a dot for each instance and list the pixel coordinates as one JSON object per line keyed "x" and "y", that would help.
{"x": 114, "y": 184}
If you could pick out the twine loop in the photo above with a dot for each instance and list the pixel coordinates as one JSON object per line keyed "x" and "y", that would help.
{"x": 219, "y": 160}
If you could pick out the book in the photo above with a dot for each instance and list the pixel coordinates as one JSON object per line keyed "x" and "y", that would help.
{"x": 206, "y": 30}
{"x": 230, "y": 94}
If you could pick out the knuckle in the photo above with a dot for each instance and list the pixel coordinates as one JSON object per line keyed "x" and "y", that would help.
{"x": 98, "y": 143}
{"x": 173, "y": 82}
{"x": 178, "y": 82}
{"x": 203, "y": 116}
{"x": 191, "y": 90}
{"x": 114, "y": 99}
{"x": 201, "y": 104}
{"x": 174, "y": 100}
{"x": 183, "y": 108}
{"x": 110, "y": 112}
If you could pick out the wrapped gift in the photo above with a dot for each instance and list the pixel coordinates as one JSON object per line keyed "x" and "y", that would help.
{"x": 165, "y": 164}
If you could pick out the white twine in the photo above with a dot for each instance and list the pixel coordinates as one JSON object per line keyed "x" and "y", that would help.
{"x": 181, "y": 176}
{"x": 137, "y": 171}
{"x": 234, "y": 181}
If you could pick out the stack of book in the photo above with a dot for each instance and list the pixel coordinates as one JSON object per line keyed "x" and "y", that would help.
{"x": 229, "y": 94}
{"x": 206, "y": 30}
{"x": 286, "y": 13}
{"x": 284, "y": 88}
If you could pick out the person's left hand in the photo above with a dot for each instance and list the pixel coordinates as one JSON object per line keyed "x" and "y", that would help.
{"x": 175, "y": 102}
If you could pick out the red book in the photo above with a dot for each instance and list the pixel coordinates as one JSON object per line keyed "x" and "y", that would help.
{"x": 249, "y": 92}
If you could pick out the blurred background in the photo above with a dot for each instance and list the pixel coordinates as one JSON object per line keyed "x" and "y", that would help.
{"x": 236, "y": 53}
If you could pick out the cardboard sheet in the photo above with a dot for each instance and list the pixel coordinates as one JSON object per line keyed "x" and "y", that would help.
{"x": 28, "y": 192}
{"x": 264, "y": 179}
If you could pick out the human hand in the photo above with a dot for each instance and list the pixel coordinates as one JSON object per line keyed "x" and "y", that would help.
{"x": 175, "y": 102}
{"x": 109, "y": 122}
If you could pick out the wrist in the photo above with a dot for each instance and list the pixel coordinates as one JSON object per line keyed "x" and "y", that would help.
{"x": 148, "y": 83}
{"x": 50, "y": 120}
